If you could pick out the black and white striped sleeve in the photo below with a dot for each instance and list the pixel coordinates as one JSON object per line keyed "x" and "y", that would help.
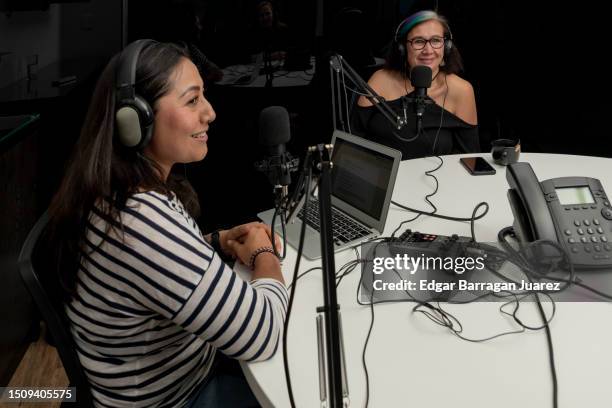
{"x": 168, "y": 267}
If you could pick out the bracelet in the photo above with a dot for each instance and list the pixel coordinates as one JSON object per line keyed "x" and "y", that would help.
{"x": 257, "y": 252}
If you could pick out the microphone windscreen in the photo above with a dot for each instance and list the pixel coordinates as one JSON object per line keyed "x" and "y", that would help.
{"x": 420, "y": 76}
{"x": 274, "y": 128}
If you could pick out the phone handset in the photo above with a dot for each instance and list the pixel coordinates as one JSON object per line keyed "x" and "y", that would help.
{"x": 533, "y": 220}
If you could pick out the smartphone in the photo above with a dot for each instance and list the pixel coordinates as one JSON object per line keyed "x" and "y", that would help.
{"x": 477, "y": 166}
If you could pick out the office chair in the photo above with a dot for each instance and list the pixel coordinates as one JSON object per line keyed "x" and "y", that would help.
{"x": 52, "y": 311}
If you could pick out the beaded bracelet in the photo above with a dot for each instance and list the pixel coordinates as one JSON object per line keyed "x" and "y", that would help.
{"x": 257, "y": 252}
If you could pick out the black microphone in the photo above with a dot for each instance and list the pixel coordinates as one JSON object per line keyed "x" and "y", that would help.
{"x": 274, "y": 133}
{"x": 420, "y": 77}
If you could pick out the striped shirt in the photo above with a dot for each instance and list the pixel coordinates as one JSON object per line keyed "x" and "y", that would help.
{"x": 153, "y": 307}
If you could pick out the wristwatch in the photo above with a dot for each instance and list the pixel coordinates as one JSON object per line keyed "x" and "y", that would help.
{"x": 216, "y": 244}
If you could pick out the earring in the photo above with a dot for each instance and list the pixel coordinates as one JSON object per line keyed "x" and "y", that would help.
{"x": 442, "y": 63}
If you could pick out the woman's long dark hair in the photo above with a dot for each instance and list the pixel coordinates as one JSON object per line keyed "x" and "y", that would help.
{"x": 101, "y": 171}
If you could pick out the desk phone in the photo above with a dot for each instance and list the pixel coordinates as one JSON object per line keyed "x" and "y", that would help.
{"x": 573, "y": 211}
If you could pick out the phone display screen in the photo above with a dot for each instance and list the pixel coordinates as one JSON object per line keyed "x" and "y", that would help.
{"x": 477, "y": 165}
{"x": 574, "y": 195}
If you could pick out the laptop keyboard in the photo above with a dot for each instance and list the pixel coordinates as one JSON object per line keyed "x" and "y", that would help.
{"x": 345, "y": 229}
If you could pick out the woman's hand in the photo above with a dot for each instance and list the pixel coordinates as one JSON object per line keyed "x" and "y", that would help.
{"x": 240, "y": 234}
{"x": 249, "y": 239}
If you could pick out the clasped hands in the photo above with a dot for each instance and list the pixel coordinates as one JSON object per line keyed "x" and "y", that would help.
{"x": 241, "y": 241}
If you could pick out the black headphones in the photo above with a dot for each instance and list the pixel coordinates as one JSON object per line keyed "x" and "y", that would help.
{"x": 133, "y": 115}
{"x": 406, "y": 25}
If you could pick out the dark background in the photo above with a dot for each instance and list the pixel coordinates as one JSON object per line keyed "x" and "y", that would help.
{"x": 539, "y": 70}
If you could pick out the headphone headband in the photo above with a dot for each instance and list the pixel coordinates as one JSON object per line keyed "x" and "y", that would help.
{"x": 125, "y": 77}
{"x": 407, "y": 24}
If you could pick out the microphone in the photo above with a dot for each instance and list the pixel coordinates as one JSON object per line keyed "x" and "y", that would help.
{"x": 274, "y": 133}
{"x": 420, "y": 77}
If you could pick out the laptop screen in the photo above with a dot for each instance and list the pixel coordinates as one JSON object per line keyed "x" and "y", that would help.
{"x": 360, "y": 176}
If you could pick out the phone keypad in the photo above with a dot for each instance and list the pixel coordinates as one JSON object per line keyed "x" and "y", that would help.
{"x": 590, "y": 237}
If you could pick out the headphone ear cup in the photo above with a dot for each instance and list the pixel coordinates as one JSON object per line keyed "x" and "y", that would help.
{"x": 448, "y": 46}
{"x": 147, "y": 118}
{"x": 401, "y": 49}
{"x": 134, "y": 121}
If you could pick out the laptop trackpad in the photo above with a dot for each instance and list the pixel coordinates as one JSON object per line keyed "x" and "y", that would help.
{"x": 312, "y": 241}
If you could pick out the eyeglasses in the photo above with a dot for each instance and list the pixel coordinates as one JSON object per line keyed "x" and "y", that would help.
{"x": 420, "y": 43}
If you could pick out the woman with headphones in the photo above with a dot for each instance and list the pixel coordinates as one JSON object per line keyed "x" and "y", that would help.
{"x": 449, "y": 122}
{"x": 157, "y": 316}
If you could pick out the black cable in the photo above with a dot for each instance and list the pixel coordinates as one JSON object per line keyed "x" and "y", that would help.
{"x": 551, "y": 354}
{"x": 283, "y": 228}
{"x": 520, "y": 258}
{"x": 350, "y": 266}
{"x": 348, "y": 117}
{"x": 292, "y": 295}
{"x": 578, "y": 282}
{"x": 509, "y": 231}
{"x": 433, "y": 148}
{"x": 303, "y": 274}
{"x": 429, "y": 173}
{"x": 278, "y": 208}
{"x": 365, "y": 347}
{"x": 446, "y": 217}
{"x": 407, "y": 139}
{"x": 473, "y": 220}
{"x": 402, "y": 223}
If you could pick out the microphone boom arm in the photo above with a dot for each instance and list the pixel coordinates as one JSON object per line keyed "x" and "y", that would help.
{"x": 340, "y": 67}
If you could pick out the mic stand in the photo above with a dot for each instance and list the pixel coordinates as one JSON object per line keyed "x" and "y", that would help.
{"x": 420, "y": 102}
{"x": 267, "y": 57}
{"x": 278, "y": 169}
{"x": 339, "y": 68}
{"x": 337, "y": 392}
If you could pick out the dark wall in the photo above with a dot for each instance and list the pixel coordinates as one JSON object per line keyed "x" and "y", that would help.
{"x": 538, "y": 70}
{"x": 20, "y": 173}
{"x": 71, "y": 40}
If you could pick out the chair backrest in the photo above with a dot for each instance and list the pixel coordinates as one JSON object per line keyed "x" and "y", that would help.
{"x": 54, "y": 316}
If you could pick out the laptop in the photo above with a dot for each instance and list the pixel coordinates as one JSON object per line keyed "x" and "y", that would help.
{"x": 362, "y": 180}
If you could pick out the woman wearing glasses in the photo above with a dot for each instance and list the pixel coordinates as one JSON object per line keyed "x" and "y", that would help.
{"x": 449, "y": 122}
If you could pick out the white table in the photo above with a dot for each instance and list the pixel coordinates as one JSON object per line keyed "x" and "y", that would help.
{"x": 413, "y": 362}
{"x": 280, "y": 77}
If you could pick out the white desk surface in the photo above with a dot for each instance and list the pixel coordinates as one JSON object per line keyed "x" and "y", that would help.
{"x": 280, "y": 78}
{"x": 414, "y": 362}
